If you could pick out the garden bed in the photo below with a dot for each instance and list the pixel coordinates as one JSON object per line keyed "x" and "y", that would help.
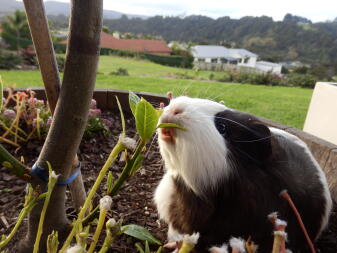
{"x": 134, "y": 201}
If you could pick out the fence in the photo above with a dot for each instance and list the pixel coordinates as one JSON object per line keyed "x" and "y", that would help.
{"x": 226, "y": 67}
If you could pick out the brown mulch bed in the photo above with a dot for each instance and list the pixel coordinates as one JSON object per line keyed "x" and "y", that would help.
{"x": 134, "y": 201}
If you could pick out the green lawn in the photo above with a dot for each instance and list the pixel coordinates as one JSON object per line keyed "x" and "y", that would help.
{"x": 283, "y": 104}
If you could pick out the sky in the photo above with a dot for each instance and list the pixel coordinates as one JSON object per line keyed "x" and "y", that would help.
{"x": 315, "y": 10}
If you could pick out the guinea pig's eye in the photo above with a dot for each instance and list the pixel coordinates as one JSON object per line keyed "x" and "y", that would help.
{"x": 177, "y": 111}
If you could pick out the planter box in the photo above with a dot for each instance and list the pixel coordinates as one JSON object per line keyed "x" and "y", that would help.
{"x": 324, "y": 152}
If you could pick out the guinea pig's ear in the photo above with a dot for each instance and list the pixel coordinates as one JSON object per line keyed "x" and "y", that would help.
{"x": 246, "y": 136}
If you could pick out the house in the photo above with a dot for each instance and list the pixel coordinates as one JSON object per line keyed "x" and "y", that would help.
{"x": 271, "y": 67}
{"x": 136, "y": 45}
{"x": 222, "y": 58}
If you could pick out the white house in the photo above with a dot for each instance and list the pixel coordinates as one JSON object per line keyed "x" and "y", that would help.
{"x": 271, "y": 67}
{"x": 219, "y": 55}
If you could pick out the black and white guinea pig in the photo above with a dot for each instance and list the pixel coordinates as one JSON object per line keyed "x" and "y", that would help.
{"x": 225, "y": 173}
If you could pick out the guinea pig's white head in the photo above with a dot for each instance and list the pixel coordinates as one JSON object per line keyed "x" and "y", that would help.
{"x": 199, "y": 154}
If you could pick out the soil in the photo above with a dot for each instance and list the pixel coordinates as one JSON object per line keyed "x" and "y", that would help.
{"x": 134, "y": 201}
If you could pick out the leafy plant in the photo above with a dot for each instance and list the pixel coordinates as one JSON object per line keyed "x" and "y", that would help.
{"x": 30, "y": 118}
{"x": 120, "y": 72}
{"x": 9, "y": 60}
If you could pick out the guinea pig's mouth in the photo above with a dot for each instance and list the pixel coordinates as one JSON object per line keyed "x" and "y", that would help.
{"x": 167, "y": 134}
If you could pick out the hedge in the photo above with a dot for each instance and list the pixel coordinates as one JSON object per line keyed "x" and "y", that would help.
{"x": 168, "y": 60}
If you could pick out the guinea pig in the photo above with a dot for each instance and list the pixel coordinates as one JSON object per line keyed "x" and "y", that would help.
{"x": 224, "y": 175}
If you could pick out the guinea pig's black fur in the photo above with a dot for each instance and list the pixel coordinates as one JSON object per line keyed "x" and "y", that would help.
{"x": 262, "y": 163}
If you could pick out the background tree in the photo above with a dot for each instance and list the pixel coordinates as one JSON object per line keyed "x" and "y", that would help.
{"x": 16, "y": 30}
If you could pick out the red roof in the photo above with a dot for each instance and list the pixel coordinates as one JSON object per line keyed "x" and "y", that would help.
{"x": 143, "y": 46}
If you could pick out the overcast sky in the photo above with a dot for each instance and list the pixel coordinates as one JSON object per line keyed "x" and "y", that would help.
{"x": 316, "y": 10}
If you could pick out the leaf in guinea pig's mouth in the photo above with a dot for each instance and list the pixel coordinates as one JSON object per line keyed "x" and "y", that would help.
{"x": 171, "y": 125}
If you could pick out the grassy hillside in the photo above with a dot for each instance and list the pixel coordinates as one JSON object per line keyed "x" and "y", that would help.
{"x": 283, "y": 104}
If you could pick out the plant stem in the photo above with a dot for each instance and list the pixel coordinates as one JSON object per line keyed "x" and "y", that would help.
{"x": 286, "y": 196}
{"x": 20, "y": 219}
{"x": 119, "y": 182}
{"x": 126, "y": 171}
{"x": 51, "y": 184}
{"x": 9, "y": 161}
{"x": 100, "y": 224}
{"x": 112, "y": 157}
{"x": 113, "y": 229}
{"x": 20, "y": 130}
{"x": 9, "y": 142}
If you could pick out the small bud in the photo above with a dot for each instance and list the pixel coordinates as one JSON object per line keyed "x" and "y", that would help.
{"x": 281, "y": 223}
{"x": 238, "y": 244}
{"x": 53, "y": 175}
{"x": 222, "y": 249}
{"x": 75, "y": 249}
{"x": 111, "y": 223}
{"x": 105, "y": 203}
{"x": 129, "y": 143}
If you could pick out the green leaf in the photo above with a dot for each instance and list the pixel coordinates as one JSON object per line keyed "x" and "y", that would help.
{"x": 146, "y": 119}
{"x": 139, "y": 247}
{"x": 147, "y": 248}
{"x": 171, "y": 125}
{"x": 133, "y": 102}
{"x": 140, "y": 233}
{"x": 122, "y": 115}
{"x": 137, "y": 164}
{"x": 109, "y": 183}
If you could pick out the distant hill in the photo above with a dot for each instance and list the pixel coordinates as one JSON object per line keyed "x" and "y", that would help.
{"x": 57, "y": 8}
{"x": 295, "y": 38}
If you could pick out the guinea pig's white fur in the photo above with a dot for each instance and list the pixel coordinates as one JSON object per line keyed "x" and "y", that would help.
{"x": 201, "y": 147}
{"x": 200, "y": 156}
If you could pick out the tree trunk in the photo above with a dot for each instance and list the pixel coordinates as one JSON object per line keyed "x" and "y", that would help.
{"x": 70, "y": 116}
{"x": 39, "y": 30}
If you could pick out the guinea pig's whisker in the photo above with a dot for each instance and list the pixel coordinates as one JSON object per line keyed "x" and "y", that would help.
{"x": 151, "y": 144}
{"x": 256, "y": 140}
{"x": 239, "y": 124}
{"x": 247, "y": 155}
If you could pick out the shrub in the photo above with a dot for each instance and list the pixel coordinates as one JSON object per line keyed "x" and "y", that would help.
{"x": 306, "y": 81}
{"x": 60, "y": 48}
{"x": 184, "y": 75}
{"x": 120, "y": 72}
{"x": 9, "y": 60}
{"x": 60, "y": 63}
{"x": 30, "y": 118}
{"x": 252, "y": 78}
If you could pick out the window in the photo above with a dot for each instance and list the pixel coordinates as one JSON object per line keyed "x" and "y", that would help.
{"x": 223, "y": 60}
{"x": 214, "y": 60}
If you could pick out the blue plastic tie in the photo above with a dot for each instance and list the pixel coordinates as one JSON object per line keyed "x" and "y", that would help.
{"x": 41, "y": 173}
